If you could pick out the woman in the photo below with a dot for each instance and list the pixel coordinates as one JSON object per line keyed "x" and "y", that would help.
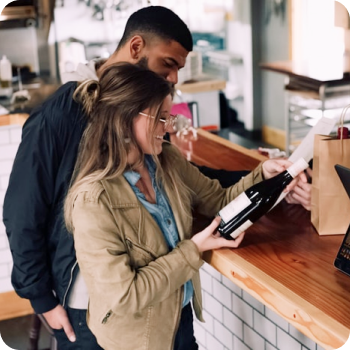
{"x": 130, "y": 211}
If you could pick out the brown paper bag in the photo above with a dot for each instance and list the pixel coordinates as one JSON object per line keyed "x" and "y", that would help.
{"x": 330, "y": 204}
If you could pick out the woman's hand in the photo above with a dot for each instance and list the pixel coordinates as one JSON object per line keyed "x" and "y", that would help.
{"x": 273, "y": 167}
{"x": 210, "y": 238}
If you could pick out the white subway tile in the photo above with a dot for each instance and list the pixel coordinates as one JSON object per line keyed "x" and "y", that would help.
{"x": 2, "y": 230}
{"x": 213, "y": 344}
{"x": 286, "y": 342}
{"x": 239, "y": 345}
{"x": 15, "y": 135}
{"x": 206, "y": 281}
{"x": 8, "y": 151}
{"x": 223, "y": 334}
{"x": 265, "y": 327}
{"x": 241, "y": 309}
{"x": 5, "y": 257}
{"x": 10, "y": 267}
{"x": 199, "y": 332}
{"x": 5, "y": 285}
{"x": 2, "y": 196}
{"x": 268, "y": 346}
{"x": 253, "y": 339}
{"x": 256, "y": 304}
{"x": 209, "y": 322}
{"x": 4, "y": 137}
{"x": 277, "y": 319}
{"x": 4, "y": 271}
{"x": 232, "y": 286}
{"x": 214, "y": 273}
{"x": 233, "y": 323}
{"x": 302, "y": 338}
{"x": 4, "y": 243}
{"x": 214, "y": 307}
{"x": 4, "y": 182}
{"x": 222, "y": 293}
{"x": 5, "y": 166}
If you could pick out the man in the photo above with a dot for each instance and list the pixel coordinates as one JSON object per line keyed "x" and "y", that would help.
{"x": 45, "y": 270}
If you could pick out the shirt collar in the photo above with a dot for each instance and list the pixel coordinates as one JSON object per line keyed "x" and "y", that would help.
{"x": 132, "y": 176}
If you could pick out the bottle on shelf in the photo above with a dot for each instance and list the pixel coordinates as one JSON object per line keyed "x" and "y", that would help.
{"x": 5, "y": 77}
{"x": 256, "y": 201}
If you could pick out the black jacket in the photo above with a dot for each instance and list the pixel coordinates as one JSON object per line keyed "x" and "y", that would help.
{"x": 42, "y": 249}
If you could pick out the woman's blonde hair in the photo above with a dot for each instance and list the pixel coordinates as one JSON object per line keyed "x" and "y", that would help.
{"x": 111, "y": 105}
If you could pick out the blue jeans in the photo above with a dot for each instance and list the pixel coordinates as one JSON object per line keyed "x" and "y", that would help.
{"x": 85, "y": 339}
{"x": 185, "y": 339}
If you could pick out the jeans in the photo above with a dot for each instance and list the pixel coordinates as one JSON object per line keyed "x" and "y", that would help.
{"x": 185, "y": 339}
{"x": 85, "y": 339}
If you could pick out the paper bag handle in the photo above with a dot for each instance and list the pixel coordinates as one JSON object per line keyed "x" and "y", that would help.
{"x": 342, "y": 118}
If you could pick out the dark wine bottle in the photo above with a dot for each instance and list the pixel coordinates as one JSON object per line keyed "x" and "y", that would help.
{"x": 256, "y": 201}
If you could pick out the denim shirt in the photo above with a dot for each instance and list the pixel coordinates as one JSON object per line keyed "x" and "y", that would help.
{"x": 161, "y": 212}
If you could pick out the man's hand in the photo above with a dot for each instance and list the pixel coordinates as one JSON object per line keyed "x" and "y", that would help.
{"x": 301, "y": 193}
{"x": 57, "y": 318}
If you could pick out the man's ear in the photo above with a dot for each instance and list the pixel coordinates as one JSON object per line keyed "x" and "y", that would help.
{"x": 136, "y": 46}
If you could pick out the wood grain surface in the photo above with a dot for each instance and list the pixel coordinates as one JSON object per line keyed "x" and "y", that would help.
{"x": 282, "y": 261}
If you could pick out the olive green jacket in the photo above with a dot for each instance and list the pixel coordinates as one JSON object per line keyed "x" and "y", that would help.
{"x": 135, "y": 284}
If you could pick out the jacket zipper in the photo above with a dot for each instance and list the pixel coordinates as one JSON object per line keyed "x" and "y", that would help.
{"x": 105, "y": 319}
{"x": 69, "y": 283}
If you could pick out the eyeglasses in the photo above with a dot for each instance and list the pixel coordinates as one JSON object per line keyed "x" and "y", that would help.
{"x": 169, "y": 122}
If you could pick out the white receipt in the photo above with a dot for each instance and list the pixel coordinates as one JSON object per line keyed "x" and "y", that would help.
{"x": 306, "y": 148}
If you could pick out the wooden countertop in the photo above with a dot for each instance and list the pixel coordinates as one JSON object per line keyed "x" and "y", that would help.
{"x": 282, "y": 261}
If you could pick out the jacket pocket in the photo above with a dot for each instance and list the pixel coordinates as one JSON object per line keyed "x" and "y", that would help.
{"x": 139, "y": 256}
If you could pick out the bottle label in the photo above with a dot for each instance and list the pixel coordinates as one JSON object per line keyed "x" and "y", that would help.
{"x": 235, "y": 207}
{"x": 297, "y": 167}
{"x": 240, "y": 229}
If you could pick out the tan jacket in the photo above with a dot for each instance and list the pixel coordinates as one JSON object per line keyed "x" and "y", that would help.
{"x": 135, "y": 285}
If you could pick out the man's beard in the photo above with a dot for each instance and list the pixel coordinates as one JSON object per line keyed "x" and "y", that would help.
{"x": 143, "y": 62}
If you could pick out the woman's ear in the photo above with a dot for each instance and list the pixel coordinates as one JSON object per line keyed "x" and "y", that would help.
{"x": 136, "y": 46}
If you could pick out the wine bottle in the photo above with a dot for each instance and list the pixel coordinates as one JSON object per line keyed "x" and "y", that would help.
{"x": 256, "y": 201}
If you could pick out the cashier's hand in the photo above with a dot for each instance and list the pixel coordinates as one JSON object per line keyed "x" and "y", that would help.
{"x": 210, "y": 238}
{"x": 57, "y": 318}
{"x": 301, "y": 193}
{"x": 273, "y": 167}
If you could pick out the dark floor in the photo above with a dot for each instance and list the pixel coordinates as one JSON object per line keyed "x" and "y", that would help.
{"x": 15, "y": 332}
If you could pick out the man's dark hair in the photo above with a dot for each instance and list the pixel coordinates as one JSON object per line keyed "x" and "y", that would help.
{"x": 158, "y": 21}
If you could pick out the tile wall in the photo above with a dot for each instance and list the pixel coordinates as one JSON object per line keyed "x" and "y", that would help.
{"x": 10, "y": 137}
{"x": 237, "y": 321}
